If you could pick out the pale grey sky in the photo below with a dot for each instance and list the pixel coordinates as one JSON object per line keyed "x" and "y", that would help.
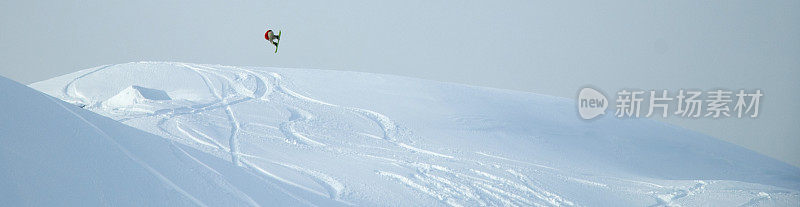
{"x": 539, "y": 46}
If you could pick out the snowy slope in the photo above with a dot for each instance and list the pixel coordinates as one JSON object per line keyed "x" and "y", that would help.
{"x": 55, "y": 154}
{"x": 368, "y": 139}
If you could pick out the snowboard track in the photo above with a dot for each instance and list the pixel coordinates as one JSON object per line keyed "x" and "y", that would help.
{"x": 507, "y": 182}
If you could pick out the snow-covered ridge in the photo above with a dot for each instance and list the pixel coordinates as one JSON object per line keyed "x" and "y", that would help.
{"x": 329, "y": 137}
{"x": 53, "y": 153}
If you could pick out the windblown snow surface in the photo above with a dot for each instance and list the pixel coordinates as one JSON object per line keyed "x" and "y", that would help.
{"x": 223, "y": 135}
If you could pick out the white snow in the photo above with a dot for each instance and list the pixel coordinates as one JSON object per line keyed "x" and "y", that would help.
{"x": 53, "y": 153}
{"x": 315, "y": 137}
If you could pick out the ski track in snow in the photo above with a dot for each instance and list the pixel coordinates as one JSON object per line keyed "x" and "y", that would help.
{"x": 232, "y": 141}
{"x": 330, "y": 184}
{"x": 78, "y": 97}
{"x": 226, "y": 101}
{"x": 501, "y": 183}
{"x": 668, "y": 199}
{"x": 220, "y": 180}
{"x": 450, "y": 187}
{"x": 288, "y": 128}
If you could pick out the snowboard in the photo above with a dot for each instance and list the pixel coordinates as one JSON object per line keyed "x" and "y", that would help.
{"x": 279, "y": 41}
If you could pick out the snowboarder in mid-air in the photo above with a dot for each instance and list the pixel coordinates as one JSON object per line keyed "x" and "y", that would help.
{"x": 272, "y": 38}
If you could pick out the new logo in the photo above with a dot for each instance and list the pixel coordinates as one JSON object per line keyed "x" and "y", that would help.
{"x": 591, "y": 103}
